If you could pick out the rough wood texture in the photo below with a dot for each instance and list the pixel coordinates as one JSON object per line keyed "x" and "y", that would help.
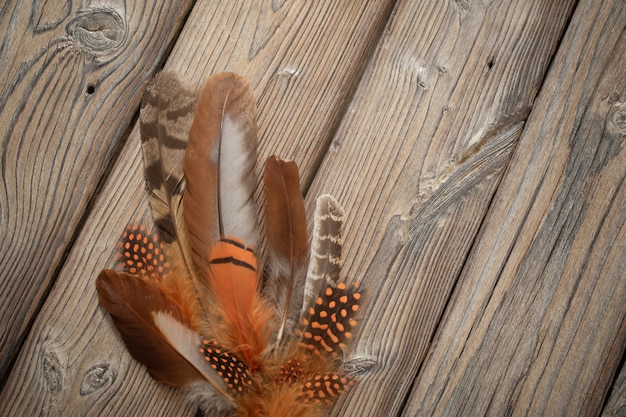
{"x": 616, "y": 404}
{"x": 537, "y": 325}
{"x": 304, "y": 68}
{"x": 486, "y": 223}
{"x": 70, "y": 85}
{"x": 417, "y": 178}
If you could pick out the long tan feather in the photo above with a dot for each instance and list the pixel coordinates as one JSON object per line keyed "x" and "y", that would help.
{"x": 286, "y": 239}
{"x": 219, "y": 166}
{"x": 165, "y": 119}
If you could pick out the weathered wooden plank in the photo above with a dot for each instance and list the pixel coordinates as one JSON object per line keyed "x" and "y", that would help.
{"x": 70, "y": 83}
{"x": 304, "y": 60}
{"x": 616, "y": 404}
{"x": 537, "y": 325}
{"x": 416, "y": 162}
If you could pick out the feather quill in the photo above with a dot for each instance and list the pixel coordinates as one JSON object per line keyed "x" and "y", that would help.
{"x": 285, "y": 230}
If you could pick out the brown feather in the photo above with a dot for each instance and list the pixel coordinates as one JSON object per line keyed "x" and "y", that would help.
{"x": 165, "y": 119}
{"x": 219, "y": 166}
{"x": 131, "y": 301}
{"x": 285, "y": 228}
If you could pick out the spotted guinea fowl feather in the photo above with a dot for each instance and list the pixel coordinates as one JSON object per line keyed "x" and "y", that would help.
{"x": 186, "y": 296}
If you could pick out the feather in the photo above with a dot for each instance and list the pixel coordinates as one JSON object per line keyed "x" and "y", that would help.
{"x": 285, "y": 229}
{"x": 153, "y": 285}
{"x": 219, "y": 166}
{"x": 133, "y": 304}
{"x": 124, "y": 297}
{"x": 326, "y": 259}
{"x": 233, "y": 280}
{"x": 164, "y": 122}
{"x": 186, "y": 298}
{"x": 186, "y": 343}
{"x": 331, "y": 319}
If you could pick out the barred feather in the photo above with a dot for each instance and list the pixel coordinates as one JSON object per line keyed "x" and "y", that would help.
{"x": 165, "y": 119}
{"x": 326, "y": 259}
{"x": 187, "y": 300}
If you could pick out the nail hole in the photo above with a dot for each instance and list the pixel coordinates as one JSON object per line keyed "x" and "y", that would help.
{"x": 90, "y": 89}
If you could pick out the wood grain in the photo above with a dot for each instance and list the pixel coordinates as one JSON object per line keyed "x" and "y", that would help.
{"x": 616, "y": 402}
{"x": 537, "y": 325}
{"x": 486, "y": 223}
{"x": 303, "y": 71}
{"x": 304, "y": 60}
{"x": 69, "y": 88}
{"x": 416, "y": 162}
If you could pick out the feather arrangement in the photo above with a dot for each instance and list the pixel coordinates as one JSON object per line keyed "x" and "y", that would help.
{"x": 188, "y": 297}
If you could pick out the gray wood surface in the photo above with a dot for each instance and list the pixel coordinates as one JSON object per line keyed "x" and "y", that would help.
{"x": 70, "y": 85}
{"x": 537, "y": 323}
{"x": 477, "y": 148}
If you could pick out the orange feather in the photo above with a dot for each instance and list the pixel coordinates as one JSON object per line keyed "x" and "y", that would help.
{"x": 205, "y": 322}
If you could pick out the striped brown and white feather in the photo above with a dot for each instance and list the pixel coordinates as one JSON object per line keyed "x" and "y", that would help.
{"x": 326, "y": 244}
{"x": 165, "y": 119}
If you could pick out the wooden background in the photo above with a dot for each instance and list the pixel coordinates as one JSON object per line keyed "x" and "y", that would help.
{"x": 478, "y": 148}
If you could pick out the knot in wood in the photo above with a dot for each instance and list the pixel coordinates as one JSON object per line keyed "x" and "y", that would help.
{"x": 617, "y": 117}
{"x": 98, "y": 30}
{"x": 95, "y": 378}
{"x": 52, "y": 374}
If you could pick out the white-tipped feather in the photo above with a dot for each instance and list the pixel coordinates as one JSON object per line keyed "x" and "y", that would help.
{"x": 186, "y": 342}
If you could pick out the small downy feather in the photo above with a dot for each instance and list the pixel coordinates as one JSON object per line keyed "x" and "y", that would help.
{"x": 285, "y": 229}
{"x": 219, "y": 166}
{"x": 326, "y": 259}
